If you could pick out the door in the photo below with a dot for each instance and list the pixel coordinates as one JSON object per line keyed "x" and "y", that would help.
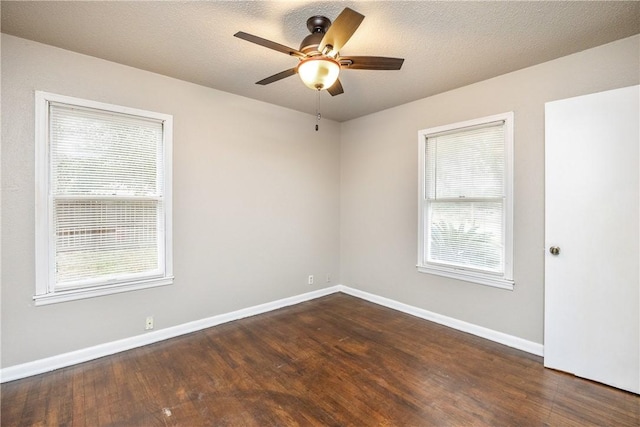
{"x": 592, "y": 278}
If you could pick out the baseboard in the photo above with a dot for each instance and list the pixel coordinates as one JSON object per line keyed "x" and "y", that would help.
{"x": 48, "y": 364}
{"x": 490, "y": 334}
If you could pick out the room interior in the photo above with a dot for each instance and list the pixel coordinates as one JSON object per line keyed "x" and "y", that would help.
{"x": 261, "y": 199}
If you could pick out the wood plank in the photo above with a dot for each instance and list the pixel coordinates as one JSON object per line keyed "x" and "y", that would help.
{"x": 333, "y": 361}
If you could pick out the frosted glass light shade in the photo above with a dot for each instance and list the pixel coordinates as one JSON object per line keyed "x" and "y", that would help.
{"x": 318, "y": 73}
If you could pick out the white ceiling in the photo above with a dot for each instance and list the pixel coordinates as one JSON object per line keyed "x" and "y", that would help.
{"x": 445, "y": 44}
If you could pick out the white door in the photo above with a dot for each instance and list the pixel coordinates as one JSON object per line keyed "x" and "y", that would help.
{"x": 592, "y": 187}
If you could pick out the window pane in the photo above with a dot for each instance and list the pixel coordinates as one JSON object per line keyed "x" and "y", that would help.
{"x": 104, "y": 174}
{"x": 98, "y": 153}
{"x": 466, "y": 164}
{"x": 104, "y": 239}
{"x": 466, "y": 234}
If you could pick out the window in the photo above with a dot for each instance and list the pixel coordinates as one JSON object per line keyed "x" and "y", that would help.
{"x": 466, "y": 201}
{"x": 103, "y": 199}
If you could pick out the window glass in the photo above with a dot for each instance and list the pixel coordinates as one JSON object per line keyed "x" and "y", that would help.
{"x": 466, "y": 200}
{"x": 103, "y": 183}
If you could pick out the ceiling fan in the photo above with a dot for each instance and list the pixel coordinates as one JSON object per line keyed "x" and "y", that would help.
{"x": 319, "y": 53}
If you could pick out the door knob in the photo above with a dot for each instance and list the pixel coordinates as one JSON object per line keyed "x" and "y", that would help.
{"x": 555, "y": 250}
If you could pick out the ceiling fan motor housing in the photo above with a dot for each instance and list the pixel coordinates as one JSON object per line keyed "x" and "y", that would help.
{"x": 318, "y": 26}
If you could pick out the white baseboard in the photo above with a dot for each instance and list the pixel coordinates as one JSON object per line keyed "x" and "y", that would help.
{"x": 490, "y": 334}
{"x": 48, "y": 364}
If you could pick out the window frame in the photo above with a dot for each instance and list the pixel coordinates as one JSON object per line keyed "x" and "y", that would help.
{"x": 504, "y": 279}
{"x": 46, "y": 291}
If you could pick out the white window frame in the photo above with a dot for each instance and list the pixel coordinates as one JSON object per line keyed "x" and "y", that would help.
{"x": 46, "y": 292}
{"x": 504, "y": 279}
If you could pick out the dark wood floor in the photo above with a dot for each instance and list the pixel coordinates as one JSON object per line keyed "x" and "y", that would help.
{"x": 334, "y": 361}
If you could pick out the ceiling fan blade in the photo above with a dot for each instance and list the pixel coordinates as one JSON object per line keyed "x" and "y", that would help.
{"x": 281, "y": 75}
{"x": 370, "y": 63}
{"x": 341, "y": 30}
{"x": 268, "y": 43}
{"x": 336, "y": 89}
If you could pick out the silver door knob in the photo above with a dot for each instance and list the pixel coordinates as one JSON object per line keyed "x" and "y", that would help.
{"x": 554, "y": 250}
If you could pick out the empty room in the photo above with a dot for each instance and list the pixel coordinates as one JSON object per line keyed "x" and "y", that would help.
{"x": 339, "y": 213}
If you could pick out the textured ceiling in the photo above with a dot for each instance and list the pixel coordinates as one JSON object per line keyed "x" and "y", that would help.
{"x": 445, "y": 44}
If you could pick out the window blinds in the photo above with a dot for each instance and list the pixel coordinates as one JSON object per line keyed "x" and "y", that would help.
{"x": 107, "y": 195}
{"x": 465, "y": 190}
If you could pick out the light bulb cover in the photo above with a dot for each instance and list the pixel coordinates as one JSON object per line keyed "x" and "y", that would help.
{"x": 318, "y": 72}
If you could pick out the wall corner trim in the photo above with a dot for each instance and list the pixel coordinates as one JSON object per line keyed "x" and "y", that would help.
{"x": 48, "y": 364}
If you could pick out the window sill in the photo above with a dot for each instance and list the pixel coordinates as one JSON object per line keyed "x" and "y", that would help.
{"x": 496, "y": 282}
{"x": 76, "y": 294}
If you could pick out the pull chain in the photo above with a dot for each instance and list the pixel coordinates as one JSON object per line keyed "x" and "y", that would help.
{"x": 317, "y": 110}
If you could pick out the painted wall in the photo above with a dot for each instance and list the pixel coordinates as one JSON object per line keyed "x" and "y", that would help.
{"x": 256, "y": 203}
{"x": 261, "y": 200}
{"x": 379, "y": 188}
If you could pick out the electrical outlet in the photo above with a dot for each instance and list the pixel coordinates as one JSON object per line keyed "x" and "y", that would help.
{"x": 310, "y": 281}
{"x": 149, "y": 323}
{"x": 328, "y": 278}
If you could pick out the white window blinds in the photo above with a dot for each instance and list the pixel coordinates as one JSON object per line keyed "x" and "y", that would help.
{"x": 107, "y": 196}
{"x": 467, "y": 163}
{"x": 464, "y": 196}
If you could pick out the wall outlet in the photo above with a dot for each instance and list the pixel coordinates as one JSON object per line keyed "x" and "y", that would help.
{"x": 328, "y": 278}
{"x": 148, "y": 324}
{"x": 310, "y": 280}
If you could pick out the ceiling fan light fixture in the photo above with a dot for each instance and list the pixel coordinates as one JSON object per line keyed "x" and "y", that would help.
{"x": 319, "y": 53}
{"x": 318, "y": 72}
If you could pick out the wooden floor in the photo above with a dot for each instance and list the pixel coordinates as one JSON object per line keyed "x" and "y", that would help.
{"x": 334, "y": 361}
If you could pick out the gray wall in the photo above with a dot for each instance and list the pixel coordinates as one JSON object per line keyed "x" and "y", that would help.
{"x": 261, "y": 200}
{"x": 379, "y": 188}
{"x": 256, "y": 202}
